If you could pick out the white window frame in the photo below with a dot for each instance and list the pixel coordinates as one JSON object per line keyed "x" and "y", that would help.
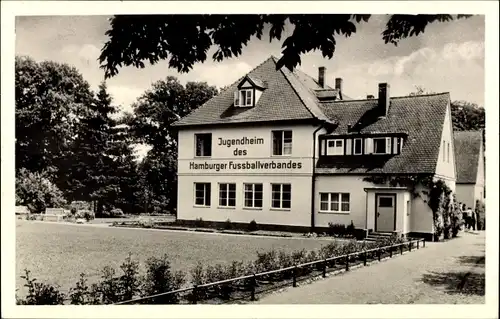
{"x": 196, "y": 135}
{"x": 281, "y": 192}
{"x": 387, "y": 145}
{"x": 242, "y": 96}
{"x": 286, "y": 147}
{"x": 329, "y": 201}
{"x": 226, "y": 195}
{"x": 253, "y": 192}
{"x": 207, "y": 201}
{"x": 334, "y": 150}
{"x": 354, "y": 146}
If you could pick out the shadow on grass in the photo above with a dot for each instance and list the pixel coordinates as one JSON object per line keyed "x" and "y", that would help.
{"x": 469, "y": 283}
{"x": 472, "y": 260}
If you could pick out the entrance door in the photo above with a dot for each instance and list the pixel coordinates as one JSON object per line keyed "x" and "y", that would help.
{"x": 385, "y": 213}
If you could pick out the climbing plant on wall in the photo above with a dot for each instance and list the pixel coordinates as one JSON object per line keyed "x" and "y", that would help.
{"x": 437, "y": 196}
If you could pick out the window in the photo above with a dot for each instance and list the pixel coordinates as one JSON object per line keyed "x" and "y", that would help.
{"x": 202, "y": 194}
{"x": 281, "y": 196}
{"x": 227, "y": 195}
{"x": 448, "y": 155}
{"x": 282, "y": 142}
{"x": 335, "y": 147}
{"x": 253, "y": 195}
{"x": 358, "y": 146}
{"x": 203, "y": 144}
{"x": 335, "y": 202}
{"x": 382, "y": 145}
{"x": 243, "y": 97}
{"x": 444, "y": 151}
{"x": 385, "y": 202}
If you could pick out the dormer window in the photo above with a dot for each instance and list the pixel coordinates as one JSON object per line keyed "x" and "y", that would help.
{"x": 243, "y": 98}
{"x": 335, "y": 147}
{"x": 249, "y": 91}
{"x": 382, "y": 145}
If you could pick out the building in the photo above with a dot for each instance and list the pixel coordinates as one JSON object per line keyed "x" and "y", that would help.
{"x": 469, "y": 154}
{"x": 289, "y": 151}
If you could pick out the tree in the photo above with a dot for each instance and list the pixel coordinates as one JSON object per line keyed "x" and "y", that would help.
{"x": 36, "y": 191}
{"x": 154, "y": 112}
{"x": 186, "y": 39}
{"x": 51, "y": 98}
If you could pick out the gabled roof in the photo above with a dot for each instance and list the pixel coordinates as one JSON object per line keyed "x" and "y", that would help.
{"x": 467, "y": 152}
{"x": 420, "y": 117}
{"x": 289, "y": 96}
{"x": 254, "y": 81}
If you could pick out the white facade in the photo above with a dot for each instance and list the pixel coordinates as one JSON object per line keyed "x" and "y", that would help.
{"x": 245, "y": 156}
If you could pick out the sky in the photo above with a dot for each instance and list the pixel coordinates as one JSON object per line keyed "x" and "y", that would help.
{"x": 448, "y": 57}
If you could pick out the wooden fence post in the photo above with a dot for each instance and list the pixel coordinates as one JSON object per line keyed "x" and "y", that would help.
{"x": 295, "y": 276}
{"x": 390, "y": 252}
{"x": 347, "y": 262}
{"x": 423, "y": 243}
{"x": 401, "y": 248}
{"x": 364, "y": 258}
{"x": 324, "y": 268}
{"x": 409, "y": 247}
{"x": 418, "y": 244}
{"x": 378, "y": 253}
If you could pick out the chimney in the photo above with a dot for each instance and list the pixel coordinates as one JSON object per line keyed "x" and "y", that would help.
{"x": 321, "y": 76}
{"x": 370, "y": 97}
{"x": 383, "y": 98}
{"x": 338, "y": 87}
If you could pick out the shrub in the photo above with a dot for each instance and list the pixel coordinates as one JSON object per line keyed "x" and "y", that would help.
{"x": 80, "y": 295}
{"x": 252, "y": 226}
{"x": 87, "y": 214}
{"x": 199, "y": 222}
{"x": 129, "y": 283}
{"x": 37, "y": 192}
{"x": 73, "y": 211}
{"x": 39, "y": 293}
{"x": 350, "y": 230}
{"x": 228, "y": 224}
{"x": 116, "y": 212}
{"x": 336, "y": 229}
{"x": 198, "y": 277}
{"x": 108, "y": 289}
{"x": 159, "y": 278}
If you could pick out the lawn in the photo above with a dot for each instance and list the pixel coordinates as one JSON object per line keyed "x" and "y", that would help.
{"x": 58, "y": 253}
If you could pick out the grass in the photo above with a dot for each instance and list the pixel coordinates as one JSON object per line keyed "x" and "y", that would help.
{"x": 57, "y": 253}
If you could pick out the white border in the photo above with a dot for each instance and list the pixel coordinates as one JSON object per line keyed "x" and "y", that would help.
{"x": 9, "y": 9}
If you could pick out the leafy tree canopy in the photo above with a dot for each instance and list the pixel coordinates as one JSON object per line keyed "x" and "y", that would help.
{"x": 186, "y": 39}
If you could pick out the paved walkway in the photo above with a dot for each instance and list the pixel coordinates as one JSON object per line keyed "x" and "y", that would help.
{"x": 450, "y": 272}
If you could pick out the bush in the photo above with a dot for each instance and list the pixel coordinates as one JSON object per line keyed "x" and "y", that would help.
{"x": 116, "y": 212}
{"x": 82, "y": 295}
{"x": 87, "y": 214}
{"x": 39, "y": 293}
{"x": 228, "y": 224}
{"x": 129, "y": 283}
{"x": 159, "y": 278}
{"x": 37, "y": 192}
{"x": 199, "y": 222}
{"x": 252, "y": 226}
{"x": 350, "y": 230}
{"x": 338, "y": 230}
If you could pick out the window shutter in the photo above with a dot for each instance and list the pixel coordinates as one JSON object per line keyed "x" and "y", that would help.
{"x": 368, "y": 146}
{"x": 236, "y": 98}
{"x": 388, "y": 145}
{"x": 348, "y": 148}
{"x": 401, "y": 144}
{"x": 395, "y": 146}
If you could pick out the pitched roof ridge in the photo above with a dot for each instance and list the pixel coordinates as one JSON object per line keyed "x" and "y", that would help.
{"x": 392, "y": 97}
{"x": 313, "y": 106}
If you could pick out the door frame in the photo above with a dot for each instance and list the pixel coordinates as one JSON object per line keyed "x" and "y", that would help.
{"x": 393, "y": 195}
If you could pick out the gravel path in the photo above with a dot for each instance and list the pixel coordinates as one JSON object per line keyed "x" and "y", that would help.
{"x": 442, "y": 273}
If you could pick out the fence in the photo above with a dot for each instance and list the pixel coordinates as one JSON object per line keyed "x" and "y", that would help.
{"x": 194, "y": 294}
